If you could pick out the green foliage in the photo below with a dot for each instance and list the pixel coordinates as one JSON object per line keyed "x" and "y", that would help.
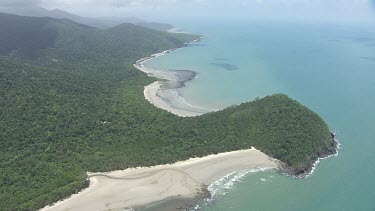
{"x": 24, "y": 35}
{"x": 156, "y": 26}
{"x": 79, "y": 107}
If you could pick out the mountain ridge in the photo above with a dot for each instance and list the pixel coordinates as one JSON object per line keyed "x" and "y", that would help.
{"x": 102, "y": 23}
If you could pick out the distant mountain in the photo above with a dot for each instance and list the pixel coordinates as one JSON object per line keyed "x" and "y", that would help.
{"x": 59, "y": 14}
{"x": 123, "y": 19}
{"x": 24, "y": 36}
{"x": 156, "y": 26}
{"x": 28, "y": 37}
{"x": 102, "y": 23}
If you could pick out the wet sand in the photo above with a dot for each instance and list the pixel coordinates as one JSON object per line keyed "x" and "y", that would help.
{"x": 165, "y": 93}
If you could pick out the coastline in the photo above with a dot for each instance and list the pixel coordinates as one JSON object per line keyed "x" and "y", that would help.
{"x": 175, "y": 31}
{"x": 316, "y": 163}
{"x": 140, "y": 187}
{"x": 165, "y": 93}
{"x": 321, "y": 154}
{"x": 106, "y": 192}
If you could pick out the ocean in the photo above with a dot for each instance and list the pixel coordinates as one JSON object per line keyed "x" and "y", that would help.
{"x": 329, "y": 68}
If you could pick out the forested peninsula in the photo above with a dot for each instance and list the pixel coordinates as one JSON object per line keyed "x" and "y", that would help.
{"x": 71, "y": 102}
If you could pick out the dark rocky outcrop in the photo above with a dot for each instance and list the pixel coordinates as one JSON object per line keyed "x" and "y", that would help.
{"x": 306, "y": 169}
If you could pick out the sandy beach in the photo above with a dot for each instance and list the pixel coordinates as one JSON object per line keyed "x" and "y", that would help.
{"x": 151, "y": 94}
{"x": 141, "y": 186}
{"x": 165, "y": 93}
{"x": 175, "y": 31}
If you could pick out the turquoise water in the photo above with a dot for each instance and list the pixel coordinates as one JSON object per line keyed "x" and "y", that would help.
{"x": 329, "y": 68}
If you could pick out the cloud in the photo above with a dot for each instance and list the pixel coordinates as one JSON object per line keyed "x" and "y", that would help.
{"x": 261, "y": 9}
{"x": 19, "y": 3}
{"x": 118, "y": 3}
{"x": 168, "y": 3}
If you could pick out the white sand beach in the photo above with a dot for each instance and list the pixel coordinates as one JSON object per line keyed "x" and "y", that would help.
{"x": 151, "y": 95}
{"x": 168, "y": 99}
{"x": 137, "y": 187}
{"x": 141, "y": 186}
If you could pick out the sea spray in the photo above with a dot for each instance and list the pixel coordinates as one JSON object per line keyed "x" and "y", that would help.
{"x": 223, "y": 185}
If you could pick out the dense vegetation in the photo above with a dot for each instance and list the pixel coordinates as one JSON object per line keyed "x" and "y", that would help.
{"x": 156, "y": 26}
{"x": 102, "y": 23}
{"x": 77, "y": 105}
{"x": 24, "y": 35}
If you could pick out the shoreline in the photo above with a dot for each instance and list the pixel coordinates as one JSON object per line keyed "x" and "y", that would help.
{"x": 110, "y": 190}
{"x": 164, "y": 96}
{"x": 174, "y": 31}
{"x": 325, "y": 154}
{"x": 143, "y": 186}
{"x": 165, "y": 93}
{"x": 316, "y": 163}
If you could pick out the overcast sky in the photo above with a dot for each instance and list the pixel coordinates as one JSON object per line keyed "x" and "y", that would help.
{"x": 339, "y": 10}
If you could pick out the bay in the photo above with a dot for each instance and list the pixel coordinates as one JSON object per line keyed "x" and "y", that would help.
{"x": 329, "y": 68}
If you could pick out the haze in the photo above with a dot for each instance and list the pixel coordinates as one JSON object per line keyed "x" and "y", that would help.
{"x": 167, "y": 10}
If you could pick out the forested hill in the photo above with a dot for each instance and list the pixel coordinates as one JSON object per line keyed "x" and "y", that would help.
{"x": 75, "y": 104}
{"x": 30, "y": 37}
{"x": 24, "y": 35}
{"x": 102, "y": 23}
{"x": 156, "y": 26}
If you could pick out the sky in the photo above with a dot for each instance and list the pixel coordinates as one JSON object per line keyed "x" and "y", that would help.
{"x": 311, "y": 10}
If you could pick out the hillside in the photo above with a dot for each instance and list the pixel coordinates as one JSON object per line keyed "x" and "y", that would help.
{"x": 101, "y": 23}
{"x": 30, "y": 36}
{"x": 74, "y": 103}
{"x": 58, "y": 14}
{"x": 156, "y": 26}
{"x": 24, "y": 35}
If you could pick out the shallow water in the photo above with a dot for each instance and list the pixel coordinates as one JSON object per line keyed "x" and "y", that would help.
{"x": 329, "y": 68}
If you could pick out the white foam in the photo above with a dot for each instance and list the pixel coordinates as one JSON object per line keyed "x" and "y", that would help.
{"x": 319, "y": 159}
{"x": 221, "y": 186}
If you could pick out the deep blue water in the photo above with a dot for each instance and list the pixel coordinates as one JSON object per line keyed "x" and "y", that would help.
{"x": 329, "y": 68}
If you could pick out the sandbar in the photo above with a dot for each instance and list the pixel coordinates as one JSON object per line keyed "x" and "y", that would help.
{"x": 165, "y": 93}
